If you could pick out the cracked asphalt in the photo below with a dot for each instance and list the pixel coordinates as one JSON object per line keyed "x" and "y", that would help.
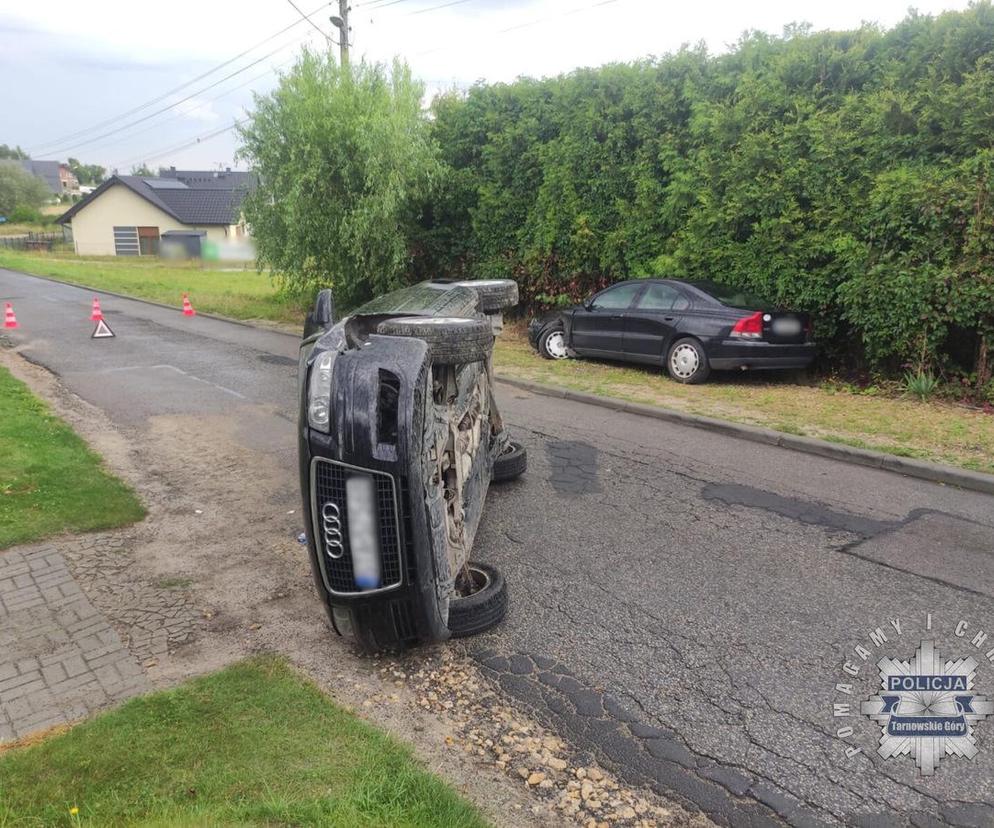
{"x": 682, "y": 602}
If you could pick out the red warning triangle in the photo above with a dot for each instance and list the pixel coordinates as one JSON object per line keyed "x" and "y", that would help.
{"x": 102, "y": 331}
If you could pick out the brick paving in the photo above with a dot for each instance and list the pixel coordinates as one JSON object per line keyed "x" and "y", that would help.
{"x": 60, "y": 658}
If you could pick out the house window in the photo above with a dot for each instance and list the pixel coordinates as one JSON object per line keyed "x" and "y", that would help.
{"x": 148, "y": 241}
{"x": 126, "y": 241}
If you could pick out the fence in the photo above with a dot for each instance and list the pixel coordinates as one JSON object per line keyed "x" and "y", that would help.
{"x": 32, "y": 241}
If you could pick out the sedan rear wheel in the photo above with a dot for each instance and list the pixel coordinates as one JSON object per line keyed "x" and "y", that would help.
{"x": 552, "y": 344}
{"x": 687, "y": 362}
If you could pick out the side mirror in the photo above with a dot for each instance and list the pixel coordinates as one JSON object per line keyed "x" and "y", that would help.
{"x": 322, "y": 316}
{"x": 588, "y": 304}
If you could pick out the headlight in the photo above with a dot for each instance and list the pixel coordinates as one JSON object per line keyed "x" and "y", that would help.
{"x": 319, "y": 392}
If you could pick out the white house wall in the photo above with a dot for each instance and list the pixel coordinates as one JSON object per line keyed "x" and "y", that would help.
{"x": 93, "y": 226}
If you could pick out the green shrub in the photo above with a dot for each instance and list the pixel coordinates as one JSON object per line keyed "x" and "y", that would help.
{"x": 26, "y": 215}
{"x": 848, "y": 174}
{"x": 921, "y": 384}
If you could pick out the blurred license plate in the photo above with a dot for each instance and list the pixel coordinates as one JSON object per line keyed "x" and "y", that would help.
{"x": 360, "y": 493}
{"x": 786, "y": 327}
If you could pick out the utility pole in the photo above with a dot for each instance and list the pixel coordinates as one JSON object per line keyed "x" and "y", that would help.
{"x": 341, "y": 22}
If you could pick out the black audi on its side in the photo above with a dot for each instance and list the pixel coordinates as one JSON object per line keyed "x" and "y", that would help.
{"x": 690, "y": 326}
{"x": 399, "y": 440}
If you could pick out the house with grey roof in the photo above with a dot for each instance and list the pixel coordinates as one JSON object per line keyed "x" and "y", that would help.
{"x": 56, "y": 175}
{"x": 131, "y": 215}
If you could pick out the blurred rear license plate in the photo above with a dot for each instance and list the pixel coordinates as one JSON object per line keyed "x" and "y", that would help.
{"x": 786, "y": 327}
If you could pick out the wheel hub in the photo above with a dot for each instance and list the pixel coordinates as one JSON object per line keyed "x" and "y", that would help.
{"x": 684, "y": 361}
{"x": 555, "y": 344}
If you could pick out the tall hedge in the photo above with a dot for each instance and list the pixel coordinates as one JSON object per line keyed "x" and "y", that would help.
{"x": 847, "y": 173}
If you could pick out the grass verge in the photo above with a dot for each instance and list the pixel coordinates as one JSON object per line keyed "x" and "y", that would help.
{"x": 254, "y": 744}
{"x": 937, "y": 431}
{"x": 240, "y": 293}
{"x": 50, "y": 481}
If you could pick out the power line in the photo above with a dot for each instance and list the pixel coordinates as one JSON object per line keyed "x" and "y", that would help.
{"x": 169, "y": 106}
{"x": 525, "y": 25}
{"x": 233, "y": 89}
{"x": 185, "y": 145}
{"x": 308, "y": 19}
{"x": 44, "y": 148}
{"x": 436, "y": 8}
{"x": 380, "y": 4}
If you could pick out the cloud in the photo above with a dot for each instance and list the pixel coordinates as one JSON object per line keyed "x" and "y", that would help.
{"x": 198, "y": 110}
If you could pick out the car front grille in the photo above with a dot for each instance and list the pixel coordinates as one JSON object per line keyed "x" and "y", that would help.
{"x": 328, "y": 487}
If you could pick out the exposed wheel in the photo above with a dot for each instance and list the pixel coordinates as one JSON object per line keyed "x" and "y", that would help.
{"x": 480, "y": 610}
{"x": 687, "y": 362}
{"x": 511, "y": 464}
{"x": 452, "y": 340}
{"x": 552, "y": 343}
{"x": 495, "y": 294}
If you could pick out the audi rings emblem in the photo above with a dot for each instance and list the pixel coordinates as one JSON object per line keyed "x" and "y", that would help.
{"x": 331, "y": 518}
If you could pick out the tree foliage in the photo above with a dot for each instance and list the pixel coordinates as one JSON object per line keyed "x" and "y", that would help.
{"x": 20, "y": 190}
{"x": 87, "y": 174}
{"x": 847, "y": 173}
{"x": 12, "y": 153}
{"x": 343, "y": 157}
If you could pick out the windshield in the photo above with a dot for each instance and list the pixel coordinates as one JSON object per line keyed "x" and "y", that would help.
{"x": 732, "y": 296}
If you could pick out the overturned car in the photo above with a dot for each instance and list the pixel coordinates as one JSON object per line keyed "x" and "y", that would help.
{"x": 399, "y": 440}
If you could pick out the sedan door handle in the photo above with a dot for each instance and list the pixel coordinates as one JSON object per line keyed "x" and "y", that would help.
{"x": 668, "y": 318}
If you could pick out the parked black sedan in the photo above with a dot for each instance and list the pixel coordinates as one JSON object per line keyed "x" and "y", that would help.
{"x": 690, "y": 326}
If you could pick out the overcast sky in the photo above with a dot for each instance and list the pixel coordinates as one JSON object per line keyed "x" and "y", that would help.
{"x": 73, "y": 66}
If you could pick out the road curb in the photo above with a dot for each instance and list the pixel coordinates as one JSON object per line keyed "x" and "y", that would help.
{"x": 934, "y": 472}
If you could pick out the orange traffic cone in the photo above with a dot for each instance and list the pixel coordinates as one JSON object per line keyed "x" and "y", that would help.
{"x": 187, "y": 307}
{"x": 97, "y": 315}
{"x": 9, "y": 320}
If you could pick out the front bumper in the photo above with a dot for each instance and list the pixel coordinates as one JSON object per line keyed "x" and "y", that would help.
{"x": 403, "y": 608}
{"x": 731, "y": 354}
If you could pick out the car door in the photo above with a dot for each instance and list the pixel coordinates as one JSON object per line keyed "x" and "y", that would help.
{"x": 652, "y": 321}
{"x": 599, "y": 326}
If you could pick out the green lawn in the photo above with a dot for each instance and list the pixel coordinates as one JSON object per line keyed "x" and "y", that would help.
{"x": 936, "y": 431}
{"x": 255, "y": 744}
{"x": 222, "y": 288}
{"x": 50, "y": 481}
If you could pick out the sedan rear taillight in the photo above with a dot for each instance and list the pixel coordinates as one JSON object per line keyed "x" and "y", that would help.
{"x": 750, "y": 327}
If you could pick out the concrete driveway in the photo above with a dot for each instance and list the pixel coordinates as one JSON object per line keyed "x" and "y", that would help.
{"x": 683, "y": 602}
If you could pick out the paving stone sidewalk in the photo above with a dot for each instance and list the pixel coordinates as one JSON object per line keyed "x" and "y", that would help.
{"x": 60, "y": 658}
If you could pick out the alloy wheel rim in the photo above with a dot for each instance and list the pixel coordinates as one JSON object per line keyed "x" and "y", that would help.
{"x": 685, "y": 361}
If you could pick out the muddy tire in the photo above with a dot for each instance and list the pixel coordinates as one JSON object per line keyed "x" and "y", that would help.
{"x": 452, "y": 340}
{"x": 495, "y": 294}
{"x": 510, "y": 465}
{"x": 484, "y": 608}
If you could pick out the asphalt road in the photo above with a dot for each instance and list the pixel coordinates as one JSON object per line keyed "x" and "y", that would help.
{"x": 682, "y": 602}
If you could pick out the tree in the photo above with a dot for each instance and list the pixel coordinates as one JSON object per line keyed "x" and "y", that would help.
{"x": 142, "y": 170}
{"x": 14, "y": 153}
{"x": 20, "y": 189}
{"x": 343, "y": 155}
{"x": 87, "y": 174}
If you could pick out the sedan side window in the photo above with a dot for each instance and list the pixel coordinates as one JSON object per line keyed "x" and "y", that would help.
{"x": 616, "y": 298}
{"x": 662, "y": 297}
